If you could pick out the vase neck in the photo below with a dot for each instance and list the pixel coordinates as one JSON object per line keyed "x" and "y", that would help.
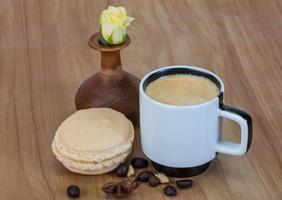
{"x": 110, "y": 55}
{"x": 110, "y": 63}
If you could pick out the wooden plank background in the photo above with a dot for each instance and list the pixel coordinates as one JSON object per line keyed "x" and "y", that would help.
{"x": 44, "y": 57}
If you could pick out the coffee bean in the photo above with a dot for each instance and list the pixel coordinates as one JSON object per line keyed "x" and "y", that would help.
{"x": 154, "y": 181}
{"x": 144, "y": 176}
{"x": 169, "y": 190}
{"x": 73, "y": 191}
{"x": 122, "y": 170}
{"x": 184, "y": 183}
{"x": 139, "y": 162}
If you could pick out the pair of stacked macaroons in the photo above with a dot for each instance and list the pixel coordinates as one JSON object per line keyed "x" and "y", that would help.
{"x": 93, "y": 141}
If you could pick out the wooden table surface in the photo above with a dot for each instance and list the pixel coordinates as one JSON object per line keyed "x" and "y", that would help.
{"x": 44, "y": 57}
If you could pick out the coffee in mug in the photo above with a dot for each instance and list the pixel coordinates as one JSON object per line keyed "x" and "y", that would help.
{"x": 181, "y": 111}
{"x": 182, "y": 89}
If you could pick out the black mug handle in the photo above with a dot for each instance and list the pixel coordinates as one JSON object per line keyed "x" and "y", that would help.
{"x": 245, "y": 122}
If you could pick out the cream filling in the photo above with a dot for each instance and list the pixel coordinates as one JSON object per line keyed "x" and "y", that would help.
{"x": 90, "y": 166}
{"x": 92, "y": 156}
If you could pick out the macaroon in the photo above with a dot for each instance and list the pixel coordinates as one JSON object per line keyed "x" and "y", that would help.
{"x": 93, "y": 141}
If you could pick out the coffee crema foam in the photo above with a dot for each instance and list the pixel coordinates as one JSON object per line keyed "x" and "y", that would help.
{"x": 182, "y": 89}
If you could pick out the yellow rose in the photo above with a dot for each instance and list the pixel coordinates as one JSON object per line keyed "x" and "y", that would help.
{"x": 113, "y": 24}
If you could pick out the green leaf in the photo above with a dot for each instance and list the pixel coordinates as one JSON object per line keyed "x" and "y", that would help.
{"x": 103, "y": 41}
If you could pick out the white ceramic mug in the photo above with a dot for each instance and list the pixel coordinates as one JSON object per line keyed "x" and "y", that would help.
{"x": 181, "y": 141}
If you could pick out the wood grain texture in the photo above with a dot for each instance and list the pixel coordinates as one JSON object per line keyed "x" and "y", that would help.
{"x": 119, "y": 92}
{"x": 111, "y": 86}
{"x": 44, "y": 57}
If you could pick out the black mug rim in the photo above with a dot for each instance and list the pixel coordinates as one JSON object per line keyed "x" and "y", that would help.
{"x": 182, "y": 69}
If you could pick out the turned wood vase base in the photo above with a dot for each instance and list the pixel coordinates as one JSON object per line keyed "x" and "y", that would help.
{"x": 119, "y": 93}
{"x": 111, "y": 87}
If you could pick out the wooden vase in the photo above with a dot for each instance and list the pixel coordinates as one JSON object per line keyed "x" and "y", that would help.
{"x": 111, "y": 86}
